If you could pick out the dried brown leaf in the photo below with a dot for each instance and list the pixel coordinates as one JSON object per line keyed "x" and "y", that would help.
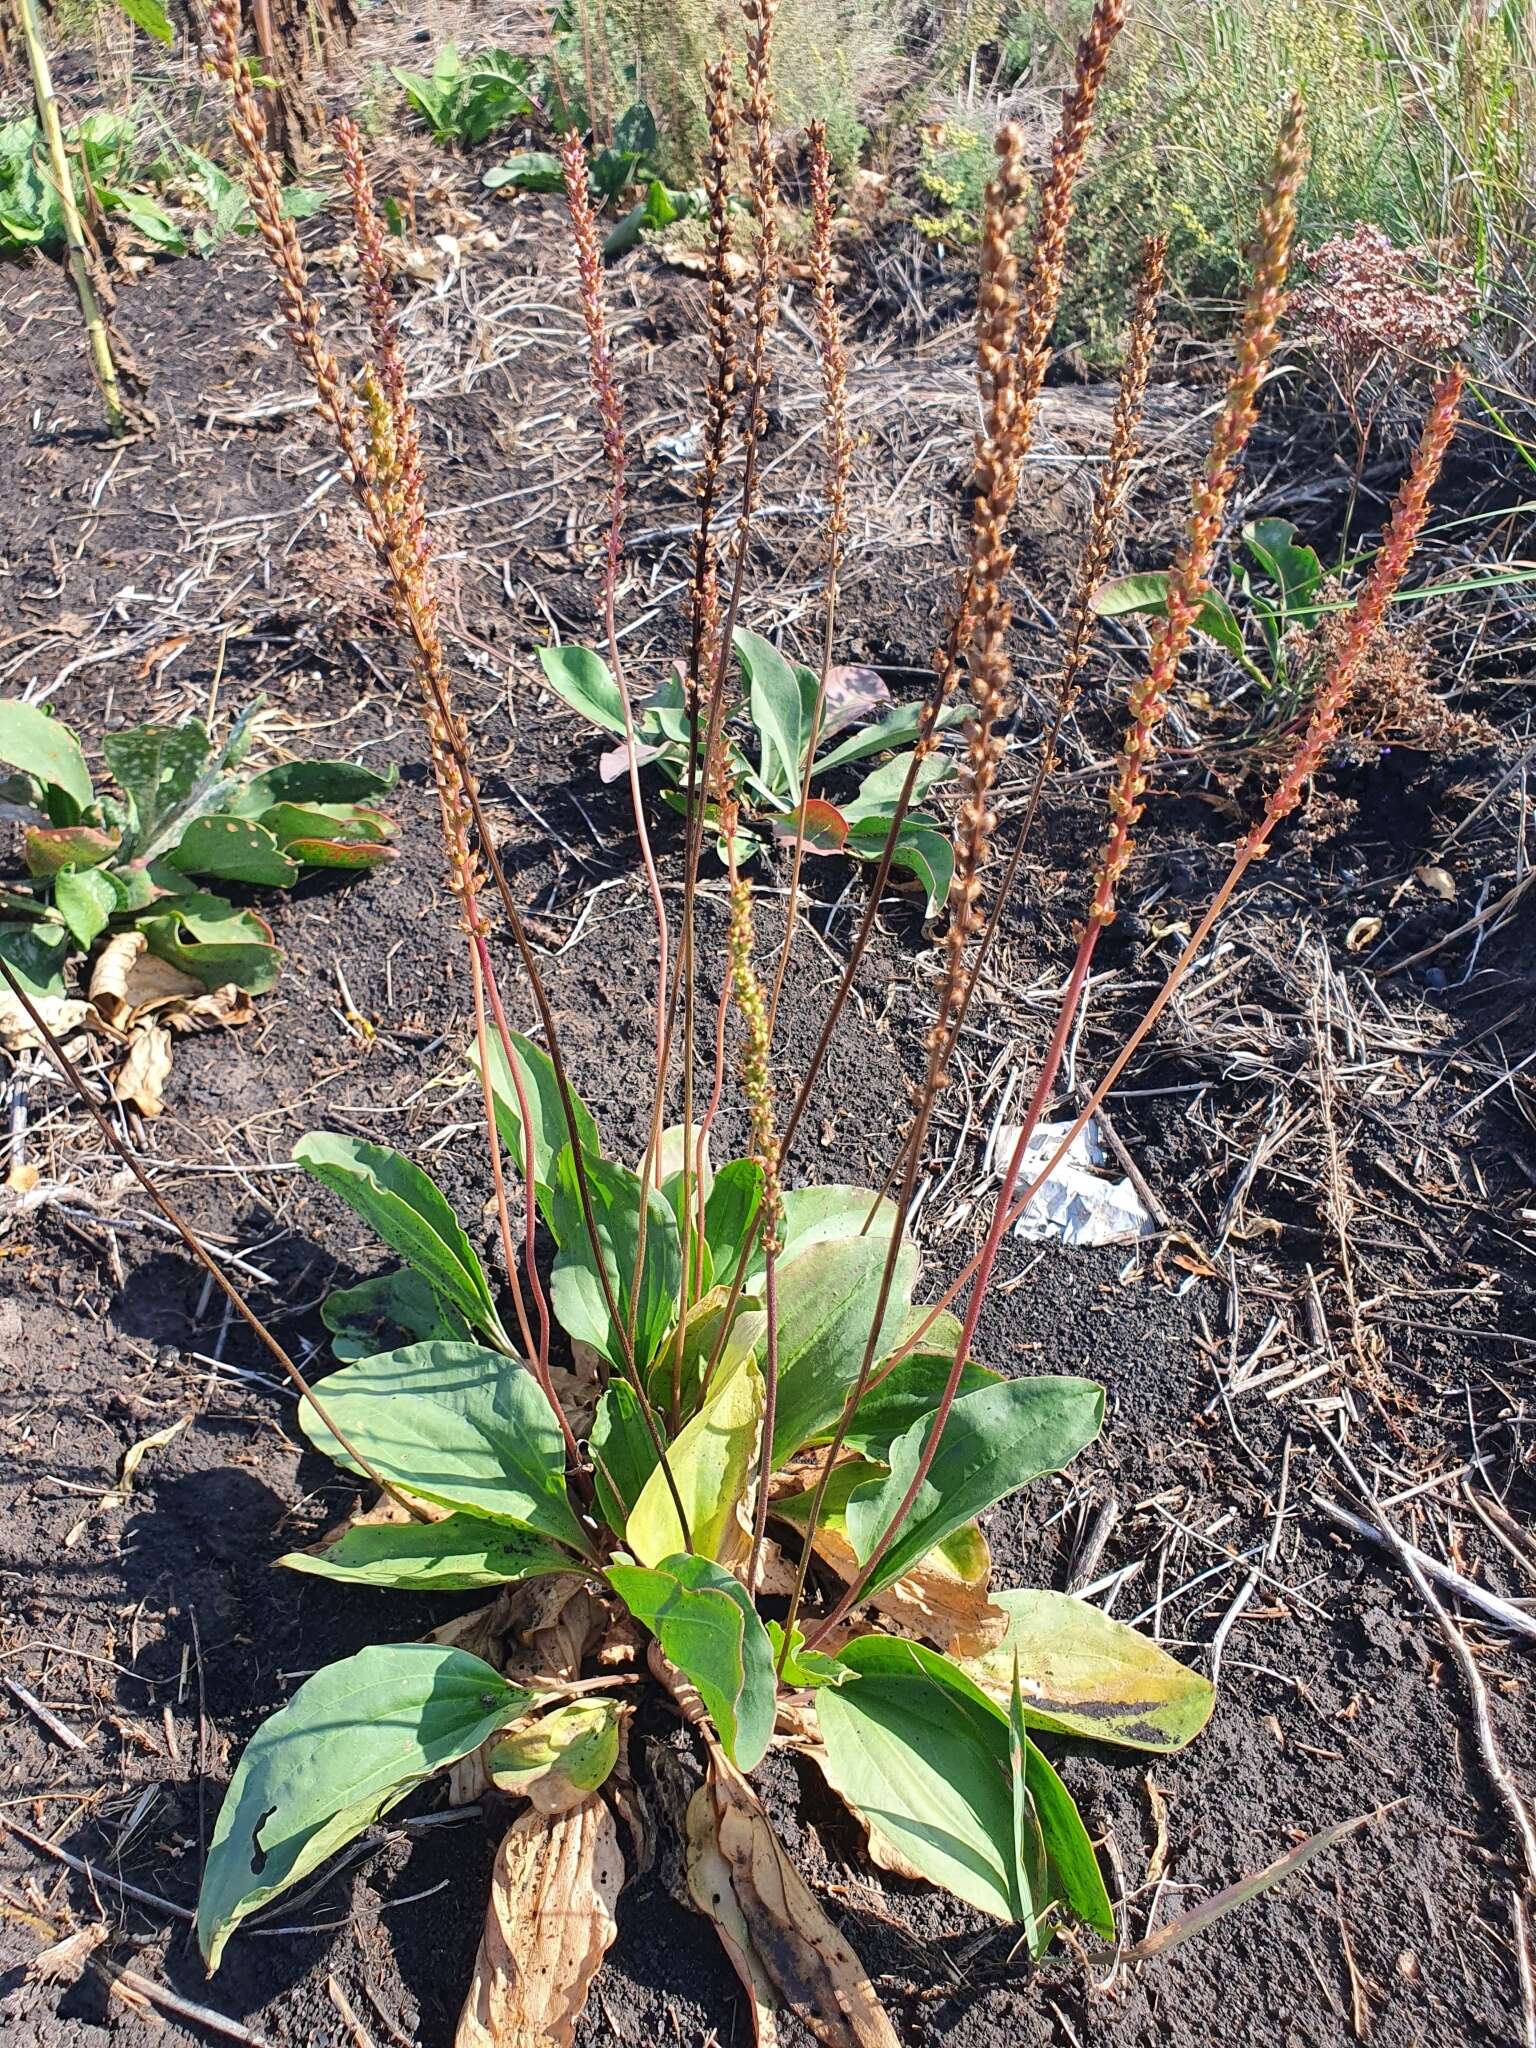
{"x": 549, "y": 1924}
{"x": 142, "y": 1077}
{"x": 742, "y": 1878}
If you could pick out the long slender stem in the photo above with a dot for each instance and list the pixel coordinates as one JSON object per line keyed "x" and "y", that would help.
{"x": 493, "y": 1140}
{"x": 76, "y": 262}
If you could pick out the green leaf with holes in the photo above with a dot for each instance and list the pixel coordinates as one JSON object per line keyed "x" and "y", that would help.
{"x": 85, "y": 899}
{"x": 230, "y": 849}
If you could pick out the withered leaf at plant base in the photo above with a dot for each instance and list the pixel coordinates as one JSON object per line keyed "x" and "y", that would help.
{"x": 549, "y": 1924}
{"x": 770, "y": 1924}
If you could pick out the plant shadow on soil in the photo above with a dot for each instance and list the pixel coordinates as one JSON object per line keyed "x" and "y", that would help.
{"x": 1336, "y": 1695}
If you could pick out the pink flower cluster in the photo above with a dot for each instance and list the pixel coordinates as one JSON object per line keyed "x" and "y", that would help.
{"x": 1369, "y": 299}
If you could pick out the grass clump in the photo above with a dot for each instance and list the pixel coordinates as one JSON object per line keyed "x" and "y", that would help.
{"x": 1418, "y": 124}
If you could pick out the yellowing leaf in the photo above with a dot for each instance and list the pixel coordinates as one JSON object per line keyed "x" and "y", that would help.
{"x": 711, "y": 1462}
{"x": 1081, "y": 1672}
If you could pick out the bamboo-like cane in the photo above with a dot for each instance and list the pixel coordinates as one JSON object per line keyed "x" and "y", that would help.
{"x": 98, "y": 342}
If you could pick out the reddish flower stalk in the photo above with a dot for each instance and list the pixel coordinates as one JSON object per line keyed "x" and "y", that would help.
{"x": 1404, "y": 527}
{"x": 1041, "y": 301}
{"x": 407, "y": 566}
{"x": 376, "y": 276}
{"x": 605, "y": 394}
{"x": 1188, "y": 581}
{"x": 837, "y": 455}
{"x": 706, "y": 766}
{"x": 1189, "y": 578}
{"x": 1013, "y": 351}
{"x": 757, "y": 1089}
{"x": 1109, "y": 503}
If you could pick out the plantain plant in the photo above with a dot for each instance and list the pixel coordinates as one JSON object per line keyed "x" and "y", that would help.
{"x": 749, "y": 1472}
{"x": 934, "y": 1752}
{"x": 184, "y": 816}
{"x": 777, "y": 716}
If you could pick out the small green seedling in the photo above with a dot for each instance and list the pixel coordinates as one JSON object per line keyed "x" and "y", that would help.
{"x": 774, "y": 724}
{"x": 466, "y": 100}
{"x": 1282, "y": 592}
{"x": 184, "y": 816}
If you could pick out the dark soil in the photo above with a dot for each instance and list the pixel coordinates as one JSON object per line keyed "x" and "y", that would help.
{"x": 153, "y": 1625}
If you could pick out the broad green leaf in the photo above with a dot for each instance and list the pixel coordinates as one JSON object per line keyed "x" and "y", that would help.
{"x": 158, "y": 768}
{"x": 921, "y": 850}
{"x": 899, "y": 728}
{"x": 43, "y": 747}
{"x": 923, "y": 1757}
{"x": 85, "y": 899}
{"x": 214, "y": 942}
{"x": 675, "y": 1150}
{"x": 798, "y": 1666}
{"x": 232, "y": 850}
{"x": 880, "y": 791}
{"x": 583, "y": 679}
{"x": 908, "y": 1393}
{"x": 1083, "y": 1673}
{"x": 820, "y": 1215}
{"x": 576, "y": 1290}
{"x": 454, "y": 1424}
{"x": 711, "y": 1460}
{"x": 294, "y": 826}
{"x": 994, "y": 1442}
{"x": 1290, "y": 564}
{"x": 709, "y": 1629}
{"x": 1148, "y": 592}
{"x": 35, "y": 954}
{"x": 307, "y": 783}
{"x": 730, "y": 1213}
{"x": 391, "y": 1308}
{"x": 410, "y": 1213}
{"x": 349, "y": 1745}
{"x": 701, "y": 1335}
{"x": 48, "y": 848}
{"x": 142, "y": 214}
{"x": 827, "y": 1295}
{"x": 623, "y": 1456}
{"x": 150, "y": 16}
{"x": 529, "y": 170}
{"x": 577, "y": 1745}
{"x": 459, "y": 1555}
{"x": 1075, "y": 1879}
{"x": 775, "y": 708}
{"x": 549, "y": 1130}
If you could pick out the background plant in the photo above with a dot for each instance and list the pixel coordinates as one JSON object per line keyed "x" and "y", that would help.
{"x": 774, "y": 720}
{"x": 184, "y": 815}
{"x": 1420, "y": 125}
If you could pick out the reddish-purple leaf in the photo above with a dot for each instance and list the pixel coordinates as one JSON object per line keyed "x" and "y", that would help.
{"x": 47, "y": 849}
{"x": 825, "y": 827}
